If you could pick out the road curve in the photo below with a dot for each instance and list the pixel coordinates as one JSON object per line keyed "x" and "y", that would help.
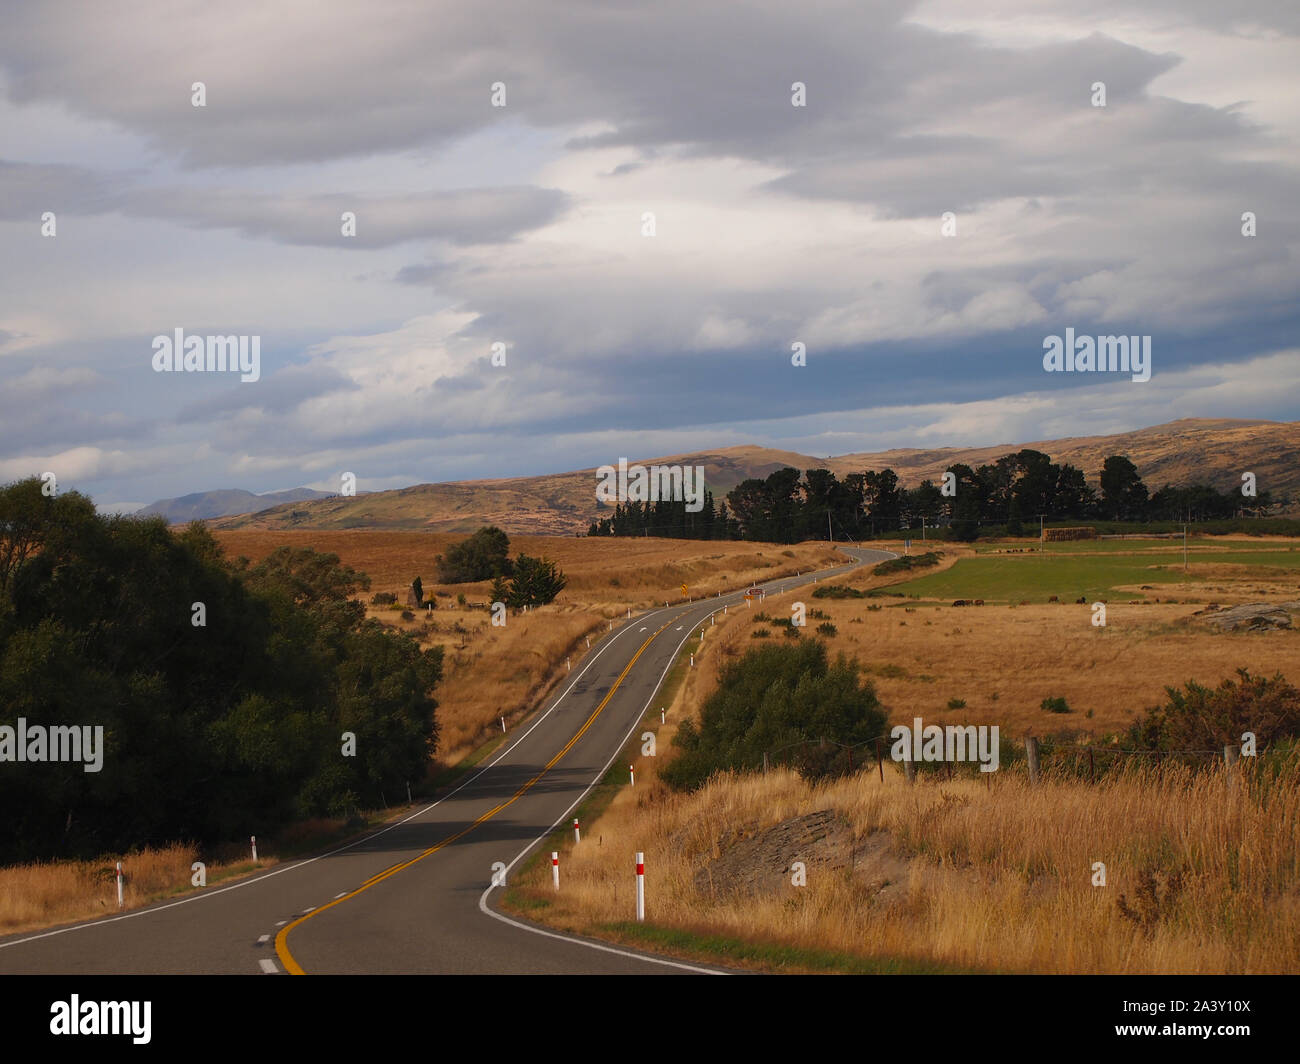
{"x": 415, "y": 897}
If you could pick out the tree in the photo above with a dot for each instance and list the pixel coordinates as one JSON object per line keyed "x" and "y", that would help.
{"x": 1123, "y": 495}
{"x": 535, "y": 583}
{"x": 480, "y": 557}
{"x": 418, "y": 587}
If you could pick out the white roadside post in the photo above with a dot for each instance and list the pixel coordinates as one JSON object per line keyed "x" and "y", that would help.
{"x": 662, "y": 718}
{"x": 631, "y": 773}
{"x": 503, "y": 725}
{"x": 577, "y": 832}
{"x": 555, "y": 868}
{"x": 120, "y": 902}
{"x": 640, "y": 886}
{"x": 253, "y": 840}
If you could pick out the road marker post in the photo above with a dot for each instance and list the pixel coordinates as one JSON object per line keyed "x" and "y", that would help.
{"x": 568, "y": 667}
{"x": 120, "y": 902}
{"x": 692, "y": 661}
{"x": 503, "y": 725}
{"x": 253, "y": 839}
{"x": 577, "y": 833}
{"x": 408, "y": 792}
{"x": 640, "y": 886}
{"x": 555, "y": 868}
{"x": 631, "y": 774}
{"x": 662, "y": 718}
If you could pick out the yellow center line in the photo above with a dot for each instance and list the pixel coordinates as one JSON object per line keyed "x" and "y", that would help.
{"x": 281, "y": 939}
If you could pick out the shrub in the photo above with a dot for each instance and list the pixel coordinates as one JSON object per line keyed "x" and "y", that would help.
{"x": 382, "y": 598}
{"x": 827, "y": 629}
{"x": 1199, "y": 718}
{"x": 407, "y": 615}
{"x": 956, "y": 703}
{"x": 759, "y": 633}
{"x": 1055, "y": 705}
{"x": 773, "y": 697}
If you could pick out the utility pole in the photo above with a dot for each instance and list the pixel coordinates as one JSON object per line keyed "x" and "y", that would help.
{"x": 830, "y": 537}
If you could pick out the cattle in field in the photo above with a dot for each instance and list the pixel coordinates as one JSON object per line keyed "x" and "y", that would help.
{"x": 979, "y": 602}
{"x": 1053, "y": 598}
{"x": 960, "y": 602}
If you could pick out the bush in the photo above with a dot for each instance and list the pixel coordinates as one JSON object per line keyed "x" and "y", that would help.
{"x": 1054, "y": 705}
{"x": 536, "y": 582}
{"x": 1200, "y": 718}
{"x": 827, "y": 629}
{"x": 956, "y": 703}
{"x": 407, "y": 615}
{"x": 383, "y": 598}
{"x": 771, "y": 698}
{"x": 759, "y": 633}
{"x": 907, "y": 563}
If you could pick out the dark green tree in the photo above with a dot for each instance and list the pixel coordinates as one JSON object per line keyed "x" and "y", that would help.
{"x": 480, "y": 557}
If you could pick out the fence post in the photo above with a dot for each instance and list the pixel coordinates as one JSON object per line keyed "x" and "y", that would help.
{"x": 1031, "y": 756}
{"x": 1230, "y": 754}
{"x": 1092, "y": 773}
{"x": 909, "y": 766}
{"x": 880, "y": 762}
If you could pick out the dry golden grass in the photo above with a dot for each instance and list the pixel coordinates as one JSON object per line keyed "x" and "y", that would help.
{"x": 984, "y": 873}
{"x": 57, "y": 892}
{"x": 991, "y": 875}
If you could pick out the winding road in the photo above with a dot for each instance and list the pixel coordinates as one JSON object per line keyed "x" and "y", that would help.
{"x": 415, "y": 896}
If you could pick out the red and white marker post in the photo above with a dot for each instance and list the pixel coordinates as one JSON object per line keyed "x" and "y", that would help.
{"x": 577, "y": 833}
{"x": 120, "y": 902}
{"x": 640, "y": 886}
{"x": 253, "y": 840}
{"x": 555, "y": 868}
{"x": 631, "y": 773}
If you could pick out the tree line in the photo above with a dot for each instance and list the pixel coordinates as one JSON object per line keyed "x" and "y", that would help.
{"x": 1006, "y": 495}
{"x": 224, "y": 688}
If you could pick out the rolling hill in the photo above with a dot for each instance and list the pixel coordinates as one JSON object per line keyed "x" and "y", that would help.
{"x": 1216, "y": 451}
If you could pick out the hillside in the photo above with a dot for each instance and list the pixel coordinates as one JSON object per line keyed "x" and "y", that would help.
{"x": 1214, "y": 450}
{"x": 203, "y": 505}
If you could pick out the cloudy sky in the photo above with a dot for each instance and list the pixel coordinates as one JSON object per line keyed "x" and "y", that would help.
{"x": 524, "y": 225}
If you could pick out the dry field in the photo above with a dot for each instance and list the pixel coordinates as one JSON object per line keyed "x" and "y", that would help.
{"x": 984, "y": 875}
{"x": 494, "y": 672}
{"x": 971, "y": 873}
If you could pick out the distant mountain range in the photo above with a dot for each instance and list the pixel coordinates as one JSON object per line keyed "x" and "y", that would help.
{"x": 205, "y": 505}
{"x": 1193, "y": 450}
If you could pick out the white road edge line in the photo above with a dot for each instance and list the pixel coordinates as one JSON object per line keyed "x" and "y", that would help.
{"x": 351, "y": 845}
{"x": 312, "y": 860}
{"x": 563, "y": 817}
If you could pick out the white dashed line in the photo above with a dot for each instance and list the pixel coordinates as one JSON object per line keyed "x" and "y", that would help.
{"x": 268, "y": 966}
{"x": 281, "y": 923}
{"x": 263, "y": 939}
{"x": 340, "y": 894}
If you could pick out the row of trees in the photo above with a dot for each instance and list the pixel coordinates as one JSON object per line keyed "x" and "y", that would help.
{"x": 224, "y": 689}
{"x": 1011, "y": 492}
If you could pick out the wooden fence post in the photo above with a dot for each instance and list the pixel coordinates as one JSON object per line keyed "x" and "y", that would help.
{"x": 1230, "y": 754}
{"x": 880, "y": 762}
{"x": 909, "y": 767}
{"x": 1031, "y": 756}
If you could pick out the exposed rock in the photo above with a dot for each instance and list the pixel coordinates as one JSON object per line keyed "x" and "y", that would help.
{"x": 1250, "y": 616}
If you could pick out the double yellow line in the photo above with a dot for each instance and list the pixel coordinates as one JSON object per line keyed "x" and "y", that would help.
{"x": 281, "y": 940}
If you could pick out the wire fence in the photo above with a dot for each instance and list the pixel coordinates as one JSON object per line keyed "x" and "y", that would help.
{"x": 829, "y": 757}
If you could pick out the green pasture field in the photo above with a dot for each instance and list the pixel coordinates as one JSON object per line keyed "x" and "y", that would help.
{"x": 1016, "y": 577}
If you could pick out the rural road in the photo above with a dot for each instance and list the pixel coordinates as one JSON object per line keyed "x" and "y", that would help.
{"x": 414, "y": 897}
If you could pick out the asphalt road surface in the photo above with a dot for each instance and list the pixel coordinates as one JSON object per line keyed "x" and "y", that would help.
{"x": 416, "y": 897}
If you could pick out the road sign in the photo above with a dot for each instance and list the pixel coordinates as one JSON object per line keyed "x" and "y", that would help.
{"x": 683, "y": 589}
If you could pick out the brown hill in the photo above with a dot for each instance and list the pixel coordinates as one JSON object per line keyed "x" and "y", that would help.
{"x": 1208, "y": 450}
